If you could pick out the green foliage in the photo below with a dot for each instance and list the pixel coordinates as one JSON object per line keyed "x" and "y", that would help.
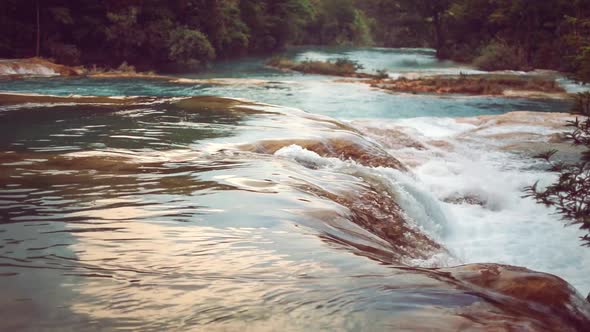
{"x": 570, "y": 194}
{"x": 582, "y": 103}
{"x": 519, "y": 34}
{"x": 339, "y": 22}
{"x": 337, "y": 67}
{"x": 552, "y": 34}
{"x": 151, "y": 33}
{"x": 581, "y": 63}
{"x": 381, "y": 74}
{"x": 64, "y": 53}
{"x": 346, "y": 63}
{"x": 189, "y": 46}
{"x": 499, "y": 55}
{"x": 396, "y": 23}
{"x": 361, "y": 32}
{"x": 577, "y": 46}
{"x": 126, "y": 68}
{"x": 124, "y": 33}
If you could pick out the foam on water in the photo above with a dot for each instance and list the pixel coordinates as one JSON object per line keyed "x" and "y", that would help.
{"x": 422, "y": 209}
{"x": 435, "y": 127}
{"x": 573, "y": 87}
{"x": 541, "y": 130}
{"x": 480, "y": 190}
{"x": 31, "y": 69}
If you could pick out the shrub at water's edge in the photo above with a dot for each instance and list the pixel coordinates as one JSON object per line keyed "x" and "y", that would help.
{"x": 570, "y": 193}
{"x": 339, "y": 67}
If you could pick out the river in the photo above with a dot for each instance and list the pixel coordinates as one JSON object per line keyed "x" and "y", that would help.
{"x": 288, "y": 201}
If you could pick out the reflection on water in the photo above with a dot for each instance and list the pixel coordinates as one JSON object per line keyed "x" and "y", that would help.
{"x": 173, "y": 213}
{"x": 114, "y": 230}
{"x": 181, "y": 214}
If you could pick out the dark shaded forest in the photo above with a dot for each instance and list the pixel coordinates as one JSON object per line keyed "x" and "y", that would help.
{"x": 166, "y": 34}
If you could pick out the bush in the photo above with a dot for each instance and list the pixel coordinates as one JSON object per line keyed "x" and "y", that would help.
{"x": 582, "y": 103}
{"x": 582, "y": 65}
{"x": 186, "y": 46}
{"x": 570, "y": 194}
{"x": 498, "y": 55}
{"x": 460, "y": 52}
{"x": 338, "y": 67}
{"x": 64, "y": 53}
{"x": 381, "y": 74}
{"x": 346, "y": 63}
{"x": 126, "y": 68}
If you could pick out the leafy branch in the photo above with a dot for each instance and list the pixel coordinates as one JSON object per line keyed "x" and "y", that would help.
{"x": 570, "y": 194}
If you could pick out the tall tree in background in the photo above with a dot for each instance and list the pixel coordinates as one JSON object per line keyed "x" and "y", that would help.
{"x": 577, "y": 41}
{"x": 396, "y": 23}
{"x": 288, "y": 19}
{"x": 434, "y": 12}
{"x": 495, "y": 34}
{"x": 38, "y": 48}
{"x": 338, "y": 22}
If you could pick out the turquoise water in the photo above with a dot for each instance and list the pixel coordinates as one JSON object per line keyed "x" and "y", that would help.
{"x": 312, "y": 93}
{"x": 175, "y": 213}
{"x": 318, "y": 95}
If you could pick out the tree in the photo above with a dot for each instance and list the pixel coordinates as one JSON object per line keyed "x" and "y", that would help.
{"x": 577, "y": 42}
{"x": 188, "y": 46}
{"x": 287, "y": 20}
{"x": 338, "y": 22}
{"x": 38, "y": 48}
{"x": 434, "y": 12}
{"x": 548, "y": 33}
{"x": 396, "y": 23}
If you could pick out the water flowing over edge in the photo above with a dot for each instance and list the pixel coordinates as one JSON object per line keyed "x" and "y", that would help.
{"x": 423, "y": 204}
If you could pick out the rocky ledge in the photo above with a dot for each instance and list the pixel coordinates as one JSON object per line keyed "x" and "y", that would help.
{"x": 509, "y": 85}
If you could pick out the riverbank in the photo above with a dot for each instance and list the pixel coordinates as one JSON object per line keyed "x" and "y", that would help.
{"x": 392, "y": 193}
{"x": 27, "y": 67}
{"x": 487, "y": 84}
{"x": 492, "y": 84}
{"x": 339, "y": 67}
{"x": 18, "y": 68}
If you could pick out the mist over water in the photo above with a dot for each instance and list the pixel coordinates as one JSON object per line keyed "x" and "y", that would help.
{"x": 327, "y": 210}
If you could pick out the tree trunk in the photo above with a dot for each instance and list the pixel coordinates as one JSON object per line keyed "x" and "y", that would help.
{"x": 438, "y": 35}
{"x": 38, "y": 49}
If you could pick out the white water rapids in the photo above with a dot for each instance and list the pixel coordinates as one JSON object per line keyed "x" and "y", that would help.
{"x": 466, "y": 185}
{"x": 477, "y": 178}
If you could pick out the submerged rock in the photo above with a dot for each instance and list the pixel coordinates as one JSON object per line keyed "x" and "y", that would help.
{"x": 519, "y": 299}
{"x": 344, "y": 147}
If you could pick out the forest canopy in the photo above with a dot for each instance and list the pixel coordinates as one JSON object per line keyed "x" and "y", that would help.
{"x": 158, "y": 34}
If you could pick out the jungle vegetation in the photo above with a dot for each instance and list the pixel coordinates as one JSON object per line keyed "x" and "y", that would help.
{"x": 162, "y": 34}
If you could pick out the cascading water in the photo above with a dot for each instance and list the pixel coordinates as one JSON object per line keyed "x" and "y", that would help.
{"x": 477, "y": 169}
{"x": 173, "y": 212}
